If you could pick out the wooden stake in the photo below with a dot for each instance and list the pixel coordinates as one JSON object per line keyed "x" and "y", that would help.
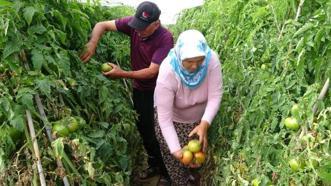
{"x": 322, "y": 94}
{"x": 35, "y": 148}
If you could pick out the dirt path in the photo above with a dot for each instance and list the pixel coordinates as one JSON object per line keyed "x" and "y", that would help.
{"x": 148, "y": 182}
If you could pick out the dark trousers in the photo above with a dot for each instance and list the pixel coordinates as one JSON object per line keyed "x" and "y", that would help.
{"x": 143, "y": 102}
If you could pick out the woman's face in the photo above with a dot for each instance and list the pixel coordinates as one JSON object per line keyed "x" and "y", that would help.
{"x": 192, "y": 64}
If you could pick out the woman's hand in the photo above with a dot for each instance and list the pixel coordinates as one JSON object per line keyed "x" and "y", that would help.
{"x": 178, "y": 155}
{"x": 201, "y": 130}
{"x": 88, "y": 52}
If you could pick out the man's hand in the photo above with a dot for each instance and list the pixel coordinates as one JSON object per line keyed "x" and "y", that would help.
{"x": 88, "y": 52}
{"x": 116, "y": 72}
{"x": 201, "y": 130}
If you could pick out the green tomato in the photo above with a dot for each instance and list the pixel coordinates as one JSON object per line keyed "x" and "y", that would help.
{"x": 72, "y": 124}
{"x": 185, "y": 148}
{"x": 72, "y": 82}
{"x": 60, "y": 129}
{"x": 106, "y": 68}
{"x": 294, "y": 165}
{"x": 194, "y": 145}
{"x": 256, "y": 182}
{"x": 295, "y": 110}
{"x": 291, "y": 123}
{"x": 263, "y": 66}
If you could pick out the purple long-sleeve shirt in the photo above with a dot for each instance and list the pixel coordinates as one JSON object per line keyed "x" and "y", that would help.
{"x": 144, "y": 52}
{"x": 176, "y": 102}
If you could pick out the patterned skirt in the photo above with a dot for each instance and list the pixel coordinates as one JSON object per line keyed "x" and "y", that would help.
{"x": 180, "y": 174}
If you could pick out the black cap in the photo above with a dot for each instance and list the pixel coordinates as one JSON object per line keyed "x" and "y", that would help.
{"x": 146, "y": 13}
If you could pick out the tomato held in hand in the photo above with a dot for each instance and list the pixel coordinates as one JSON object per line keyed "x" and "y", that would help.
{"x": 194, "y": 146}
{"x": 187, "y": 157}
{"x": 106, "y": 67}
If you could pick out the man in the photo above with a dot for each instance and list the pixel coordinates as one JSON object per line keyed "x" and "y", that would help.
{"x": 150, "y": 44}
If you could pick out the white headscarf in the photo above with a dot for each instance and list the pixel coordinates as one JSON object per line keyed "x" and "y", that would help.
{"x": 190, "y": 43}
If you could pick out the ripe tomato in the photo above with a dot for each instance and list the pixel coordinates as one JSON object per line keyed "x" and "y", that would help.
{"x": 187, "y": 157}
{"x": 200, "y": 157}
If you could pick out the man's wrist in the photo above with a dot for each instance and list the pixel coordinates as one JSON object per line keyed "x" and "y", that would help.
{"x": 125, "y": 74}
{"x": 93, "y": 42}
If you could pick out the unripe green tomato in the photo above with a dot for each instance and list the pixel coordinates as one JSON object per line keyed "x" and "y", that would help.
{"x": 194, "y": 146}
{"x": 295, "y": 110}
{"x": 291, "y": 123}
{"x": 294, "y": 165}
{"x": 106, "y": 67}
{"x": 60, "y": 129}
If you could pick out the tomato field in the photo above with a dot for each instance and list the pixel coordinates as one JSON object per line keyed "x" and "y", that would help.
{"x": 273, "y": 127}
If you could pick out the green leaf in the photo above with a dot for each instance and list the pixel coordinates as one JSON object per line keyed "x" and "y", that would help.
{"x": 61, "y": 36}
{"x": 37, "y": 59}
{"x": 124, "y": 162}
{"x": 18, "y": 123}
{"x": 324, "y": 172}
{"x": 63, "y": 62}
{"x": 58, "y": 16}
{"x": 11, "y": 47}
{"x": 39, "y": 29}
{"x": 5, "y": 3}
{"x": 97, "y": 134}
{"x": 303, "y": 29}
{"x": 103, "y": 124}
{"x": 25, "y": 97}
{"x": 29, "y": 13}
{"x": 44, "y": 86}
{"x": 5, "y": 104}
{"x": 58, "y": 147}
{"x": 318, "y": 38}
{"x": 90, "y": 169}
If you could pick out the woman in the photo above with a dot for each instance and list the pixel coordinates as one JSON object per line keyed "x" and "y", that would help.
{"x": 187, "y": 97}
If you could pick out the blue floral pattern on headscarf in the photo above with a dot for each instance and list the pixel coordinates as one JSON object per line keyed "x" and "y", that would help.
{"x": 190, "y": 43}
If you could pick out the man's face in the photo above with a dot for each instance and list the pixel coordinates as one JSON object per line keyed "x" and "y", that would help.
{"x": 149, "y": 30}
